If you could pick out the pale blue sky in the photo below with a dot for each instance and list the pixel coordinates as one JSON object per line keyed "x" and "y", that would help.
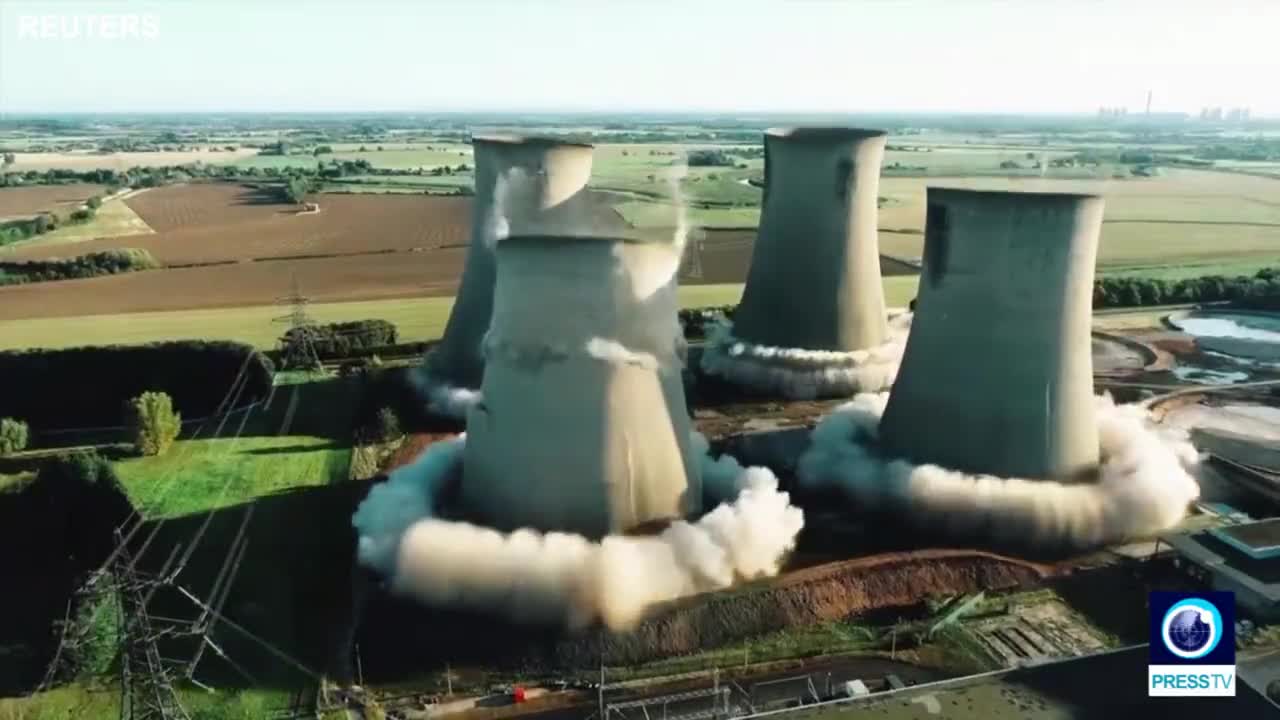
{"x": 756, "y": 55}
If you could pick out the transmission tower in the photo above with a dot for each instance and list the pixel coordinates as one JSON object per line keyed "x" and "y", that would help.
{"x": 691, "y": 263}
{"x": 296, "y": 346}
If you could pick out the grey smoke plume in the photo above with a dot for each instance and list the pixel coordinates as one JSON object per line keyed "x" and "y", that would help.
{"x": 801, "y": 374}
{"x": 1146, "y": 482}
{"x": 563, "y": 578}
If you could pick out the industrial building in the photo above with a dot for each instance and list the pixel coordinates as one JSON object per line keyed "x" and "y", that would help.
{"x": 1242, "y": 558}
{"x": 997, "y": 377}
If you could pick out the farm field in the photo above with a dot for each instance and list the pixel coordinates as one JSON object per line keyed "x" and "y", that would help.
{"x": 24, "y": 202}
{"x": 123, "y": 160}
{"x": 213, "y": 222}
{"x": 392, "y": 156}
{"x": 114, "y": 218}
{"x": 418, "y": 318}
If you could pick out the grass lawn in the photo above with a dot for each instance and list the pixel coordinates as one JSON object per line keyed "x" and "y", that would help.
{"x": 100, "y": 698}
{"x": 198, "y": 475}
{"x": 278, "y": 449}
{"x": 114, "y": 218}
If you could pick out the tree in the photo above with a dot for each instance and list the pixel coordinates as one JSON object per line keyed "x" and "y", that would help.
{"x": 94, "y": 202}
{"x": 153, "y": 422}
{"x": 13, "y": 436}
{"x": 296, "y": 189}
{"x": 388, "y": 425}
{"x": 10, "y": 158}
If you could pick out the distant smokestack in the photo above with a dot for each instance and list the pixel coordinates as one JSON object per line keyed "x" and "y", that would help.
{"x": 522, "y": 185}
{"x": 583, "y": 426}
{"x": 812, "y": 318}
{"x": 814, "y": 281}
{"x": 997, "y": 377}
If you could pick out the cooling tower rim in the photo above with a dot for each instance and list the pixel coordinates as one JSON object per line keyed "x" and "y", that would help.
{"x": 526, "y": 140}
{"x": 822, "y": 133}
{"x": 943, "y": 193}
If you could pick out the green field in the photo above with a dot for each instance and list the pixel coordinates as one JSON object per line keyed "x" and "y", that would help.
{"x": 113, "y": 219}
{"x": 393, "y": 156}
{"x": 416, "y": 318}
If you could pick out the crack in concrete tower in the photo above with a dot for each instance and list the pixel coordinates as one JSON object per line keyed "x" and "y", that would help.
{"x": 583, "y": 427}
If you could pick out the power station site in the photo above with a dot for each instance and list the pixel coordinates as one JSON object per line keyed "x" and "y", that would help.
{"x": 488, "y": 417}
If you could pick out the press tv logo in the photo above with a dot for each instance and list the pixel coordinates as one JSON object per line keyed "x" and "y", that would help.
{"x": 1193, "y": 645}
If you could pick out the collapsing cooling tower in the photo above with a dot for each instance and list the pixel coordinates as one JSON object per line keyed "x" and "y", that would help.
{"x": 998, "y": 372}
{"x": 812, "y": 317}
{"x": 522, "y": 185}
{"x": 583, "y": 425}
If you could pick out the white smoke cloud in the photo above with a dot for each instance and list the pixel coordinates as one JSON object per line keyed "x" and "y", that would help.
{"x": 801, "y": 374}
{"x": 564, "y": 578}
{"x": 443, "y": 398}
{"x": 1146, "y": 482}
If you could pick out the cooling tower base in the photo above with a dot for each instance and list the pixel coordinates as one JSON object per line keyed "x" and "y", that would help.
{"x": 801, "y": 374}
{"x": 565, "y": 579}
{"x": 1145, "y": 482}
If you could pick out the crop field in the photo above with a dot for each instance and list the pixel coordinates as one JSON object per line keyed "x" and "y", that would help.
{"x": 115, "y": 219}
{"x": 123, "y": 160}
{"x": 24, "y": 202}
{"x": 392, "y": 156}
{"x": 213, "y": 222}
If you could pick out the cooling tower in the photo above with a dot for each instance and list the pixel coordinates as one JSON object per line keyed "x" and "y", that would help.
{"x": 583, "y": 426}
{"x": 523, "y": 185}
{"x": 814, "y": 281}
{"x": 997, "y": 377}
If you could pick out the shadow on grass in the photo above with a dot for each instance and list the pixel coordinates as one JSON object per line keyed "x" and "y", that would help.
{"x": 290, "y": 449}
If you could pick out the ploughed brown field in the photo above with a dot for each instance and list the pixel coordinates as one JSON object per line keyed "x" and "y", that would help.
{"x": 22, "y": 202}
{"x": 229, "y": 245}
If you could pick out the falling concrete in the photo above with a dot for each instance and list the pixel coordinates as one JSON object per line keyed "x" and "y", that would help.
{"x": 997, "y": 376}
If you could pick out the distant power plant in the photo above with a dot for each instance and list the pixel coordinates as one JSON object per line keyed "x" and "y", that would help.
{"x": 997, "y": 377}
{"x": 583, "y": 427}
{"x": 523, "y": 184}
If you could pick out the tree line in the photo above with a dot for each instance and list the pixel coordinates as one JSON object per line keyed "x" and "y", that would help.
{"x": 106, "y": 262}
{"x": 1260, "y": 291}
{"x": 88, "y": 386}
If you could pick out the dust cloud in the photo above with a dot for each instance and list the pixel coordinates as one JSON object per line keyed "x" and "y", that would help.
{"x": 1146, "y": 482}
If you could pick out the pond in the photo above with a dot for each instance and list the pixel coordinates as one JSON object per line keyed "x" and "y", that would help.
{"x": 1265, "y": 328}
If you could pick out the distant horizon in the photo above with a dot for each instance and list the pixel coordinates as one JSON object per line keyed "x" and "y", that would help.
{"x": 12, "y": 115}
{"x": 993, "y": 57}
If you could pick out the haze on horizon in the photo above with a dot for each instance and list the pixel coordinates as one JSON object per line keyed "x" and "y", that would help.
{"x": 646, "y": 55}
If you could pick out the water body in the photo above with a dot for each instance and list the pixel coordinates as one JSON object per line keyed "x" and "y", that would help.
{"x": 1205, "y": 376}
{"x": 1265, "y": 328}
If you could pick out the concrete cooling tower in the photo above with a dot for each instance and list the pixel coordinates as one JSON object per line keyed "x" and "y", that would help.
{"x": 583, "y": 425}
{"x": 813, "y": 296}
{"x": 997, "y": 377}
{"x": 522, "y": 185}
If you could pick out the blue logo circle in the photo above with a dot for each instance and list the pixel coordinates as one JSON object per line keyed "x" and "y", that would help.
{"x": 1191, "y": 629}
